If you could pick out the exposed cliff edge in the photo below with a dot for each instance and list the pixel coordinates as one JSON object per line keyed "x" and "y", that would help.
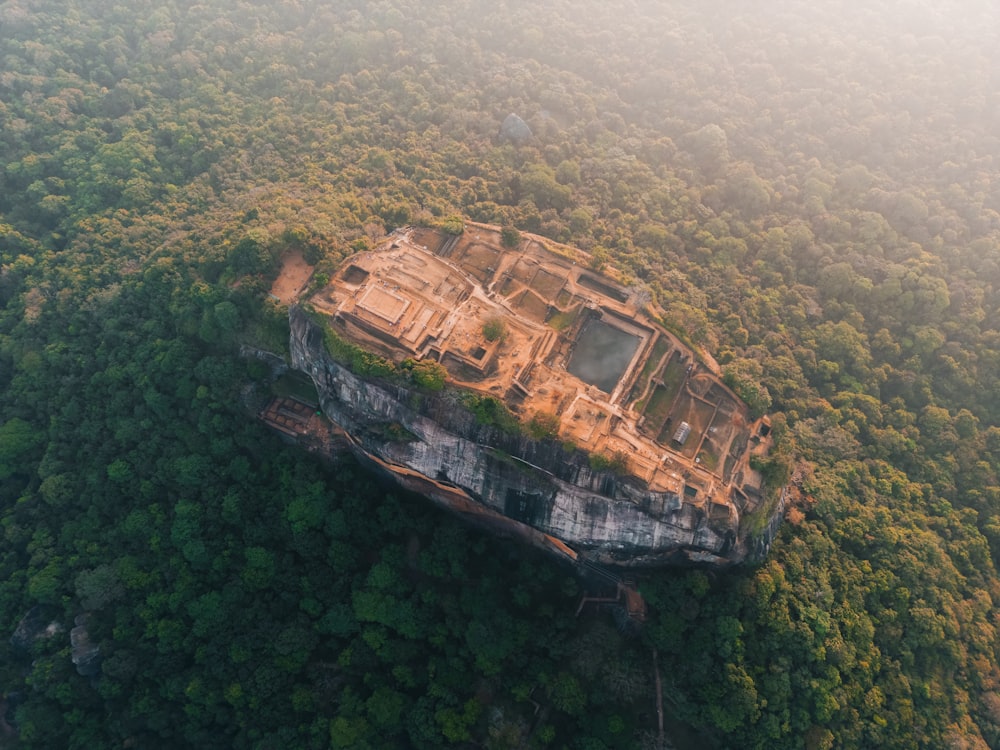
{"x": 535, "y": 489}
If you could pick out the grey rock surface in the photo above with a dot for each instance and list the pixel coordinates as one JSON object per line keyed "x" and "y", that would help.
{"x": 86, "y": 654}
{"x": 36, "y": 623}
{"x": 512, "y": 483}
{"x": 514, "y": 130}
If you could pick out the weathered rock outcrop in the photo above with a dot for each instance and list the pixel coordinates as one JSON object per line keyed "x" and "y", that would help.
{"x": 86, "y": 654}
{"x": 514, "y": 130}
{"x": 534, "y": 489}
{"x": 37, "y": 623}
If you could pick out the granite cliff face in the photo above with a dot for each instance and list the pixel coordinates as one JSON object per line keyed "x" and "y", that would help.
{"x": 532, "y": 489}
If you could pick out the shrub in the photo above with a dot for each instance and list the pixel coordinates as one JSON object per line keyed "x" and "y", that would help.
{"x": 543, "y": 425}
{"x": 510, "y": 237}
{"x": 490, "y": 410}
{"x": 427, "y": 373}
{"x": 616, "y": 463}
{"x": 453, "y": 225}
{"x": 494, "y": 329}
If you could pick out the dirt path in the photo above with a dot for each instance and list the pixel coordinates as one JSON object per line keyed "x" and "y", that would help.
{"x": 294, "y": 276}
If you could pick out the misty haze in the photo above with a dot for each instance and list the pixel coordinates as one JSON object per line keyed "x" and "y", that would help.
{"x": 801, "y": 199}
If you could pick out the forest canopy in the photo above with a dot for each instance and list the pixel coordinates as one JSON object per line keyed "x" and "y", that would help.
{"x": 808, "y": 190}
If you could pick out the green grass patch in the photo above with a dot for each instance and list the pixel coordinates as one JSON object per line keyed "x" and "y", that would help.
{"x": 658, "y": 405}
{"x": 560, "y": 320}
{"x": 708, "y": 459}
{"x": 660, "y": 348}
{"x": 673, "y": 375}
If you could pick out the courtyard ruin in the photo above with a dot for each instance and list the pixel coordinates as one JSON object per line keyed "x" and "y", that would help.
{"x": 537, "y": 328}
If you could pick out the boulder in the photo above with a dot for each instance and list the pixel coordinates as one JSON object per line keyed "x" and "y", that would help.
{"x": 35, "y": 624}
{"x": 85, "y": 654}
{"x": 514, "y": 130}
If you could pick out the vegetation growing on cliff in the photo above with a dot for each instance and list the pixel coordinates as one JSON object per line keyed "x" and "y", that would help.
{"x": 426, "y": 374}
{"x": 489, "y": 410}
{"x": 358, "y": 360}
{"x": 808, "y": 190}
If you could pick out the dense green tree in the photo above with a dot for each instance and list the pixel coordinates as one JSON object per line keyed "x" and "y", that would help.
{"x": 775, "y": 175}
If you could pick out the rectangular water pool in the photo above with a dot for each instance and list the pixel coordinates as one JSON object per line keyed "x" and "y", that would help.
{"x": 602, "y": 353}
